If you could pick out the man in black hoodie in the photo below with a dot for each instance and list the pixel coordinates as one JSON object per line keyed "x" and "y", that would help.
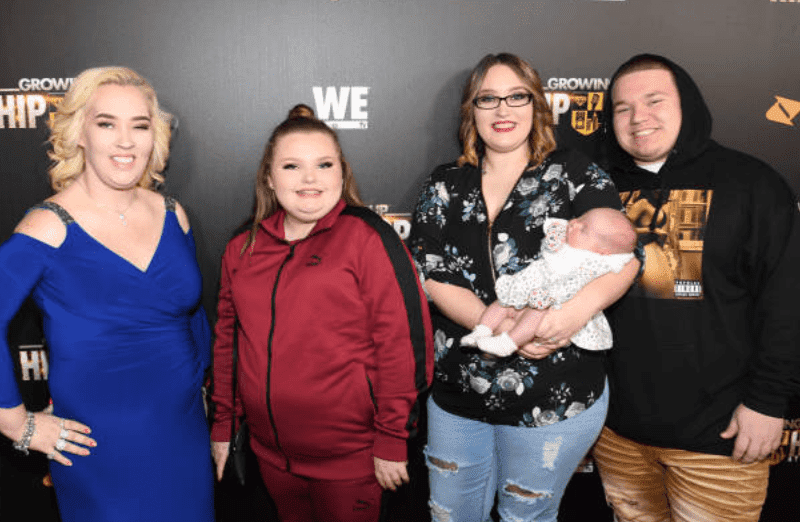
{"x": 706, "y": 353}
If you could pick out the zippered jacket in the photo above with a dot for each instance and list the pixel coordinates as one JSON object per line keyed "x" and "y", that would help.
{"x": 713, "y": 321}
{"x": 335, "y": 344}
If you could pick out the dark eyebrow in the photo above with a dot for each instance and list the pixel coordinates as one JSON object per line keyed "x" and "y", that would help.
{"x": 112, "y": 117}
{"x": 647, "y": 95}
{"x": 298, "y": 160}
{"x": 514, "y": 90}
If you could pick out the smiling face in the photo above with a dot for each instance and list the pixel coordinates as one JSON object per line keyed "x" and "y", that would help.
{"x": 306, "y": 175}
{"x": 504, "y": 129}
{"x": 647, "y": 114}
{"x": 117, "y": 136}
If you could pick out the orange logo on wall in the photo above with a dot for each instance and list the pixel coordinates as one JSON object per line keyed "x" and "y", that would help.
{"x": 784, "y": 111}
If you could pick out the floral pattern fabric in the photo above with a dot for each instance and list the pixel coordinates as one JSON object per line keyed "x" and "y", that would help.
{"x": 453, "y": 242}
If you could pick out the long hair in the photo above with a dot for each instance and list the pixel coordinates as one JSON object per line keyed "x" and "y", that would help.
{"x": 68, "y": 122}
{"x": 301, "y": 118}
{"x": 541, "y": 140}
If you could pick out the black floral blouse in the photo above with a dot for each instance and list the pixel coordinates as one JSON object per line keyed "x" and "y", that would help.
{"x": 453, "y": 242}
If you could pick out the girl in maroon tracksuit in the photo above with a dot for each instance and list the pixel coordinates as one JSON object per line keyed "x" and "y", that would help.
{"x": 335, "y": 340}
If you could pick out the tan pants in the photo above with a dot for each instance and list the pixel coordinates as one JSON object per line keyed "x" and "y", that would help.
{"x": 650, "y": 484}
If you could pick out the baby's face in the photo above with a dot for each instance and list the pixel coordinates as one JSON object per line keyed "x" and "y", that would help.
{"x": 581, "y": 235}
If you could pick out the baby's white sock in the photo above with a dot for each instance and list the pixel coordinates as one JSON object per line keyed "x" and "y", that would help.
{"x": 501, "y": 345}
{"x": 479, "y": 332}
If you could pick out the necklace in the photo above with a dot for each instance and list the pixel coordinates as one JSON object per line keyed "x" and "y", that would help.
{"x": 119, "y": 213}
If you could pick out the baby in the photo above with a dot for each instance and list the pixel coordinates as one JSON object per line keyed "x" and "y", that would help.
{"x": 573, "y": 253}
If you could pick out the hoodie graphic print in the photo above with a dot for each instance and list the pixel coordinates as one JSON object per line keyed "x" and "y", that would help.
{"x": 671, "y": 227}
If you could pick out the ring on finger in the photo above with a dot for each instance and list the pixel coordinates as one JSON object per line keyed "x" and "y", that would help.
{"x": 552, "y": 339}
{"x": 61, "y": 444}
{"x": 61, "y": 423}
{"x": 51, "y": 455}
{"x": 64, "y": 434}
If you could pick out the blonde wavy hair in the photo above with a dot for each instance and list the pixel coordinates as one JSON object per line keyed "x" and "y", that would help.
{"x": 542, "y": 138}
{"x": 67, "y": 125}
{"x": 301, "y": 118}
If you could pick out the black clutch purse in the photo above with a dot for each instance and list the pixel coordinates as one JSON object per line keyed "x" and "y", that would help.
{"x": 237, "y": 447}
{"x": 237, "y": 453}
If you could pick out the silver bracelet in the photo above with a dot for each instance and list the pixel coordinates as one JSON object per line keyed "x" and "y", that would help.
{"x": 30, "y": 428}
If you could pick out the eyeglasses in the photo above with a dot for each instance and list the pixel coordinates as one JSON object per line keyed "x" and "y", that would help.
{"x": 517, "y": 99}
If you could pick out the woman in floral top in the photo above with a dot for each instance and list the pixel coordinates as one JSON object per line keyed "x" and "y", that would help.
{"x": 518, "y": 425}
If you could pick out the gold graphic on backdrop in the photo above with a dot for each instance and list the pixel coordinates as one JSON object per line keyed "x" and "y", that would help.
{"x": 789, "y": 450}
{"x": 671, "y": 226}
{"x": 25, "y": 111}
{"x": 784, "y": 111}
{"x": 586, "y": 119}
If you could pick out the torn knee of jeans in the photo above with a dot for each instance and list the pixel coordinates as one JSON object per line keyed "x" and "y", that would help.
{"x": 438, "y": 513}
{"x": 524, "y": 494}
{"x": 442, "y": 465}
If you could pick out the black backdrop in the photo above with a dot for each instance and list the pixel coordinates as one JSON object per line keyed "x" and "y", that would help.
{"x": 229, "y": 70}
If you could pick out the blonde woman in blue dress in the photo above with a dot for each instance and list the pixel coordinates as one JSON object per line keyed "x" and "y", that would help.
{"x": 111, "y": 264}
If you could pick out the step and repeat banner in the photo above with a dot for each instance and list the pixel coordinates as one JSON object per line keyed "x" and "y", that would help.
{"x": 388, "y": 75}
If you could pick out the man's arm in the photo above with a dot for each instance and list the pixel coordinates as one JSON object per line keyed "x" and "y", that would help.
{"x": 772, "y": 251}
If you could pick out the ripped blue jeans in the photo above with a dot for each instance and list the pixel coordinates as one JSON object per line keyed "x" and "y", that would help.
{"x": 529, "y": 468}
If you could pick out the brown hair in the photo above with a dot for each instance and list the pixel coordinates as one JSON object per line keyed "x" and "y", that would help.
{"x": 642, "y": 63}
{"x": 68, "y": 121}
{"x": 301, "y": 118}
{"x": 541, "y": 140}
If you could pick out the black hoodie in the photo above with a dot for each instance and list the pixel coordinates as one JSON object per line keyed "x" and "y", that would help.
{"x": 714, "y": 319}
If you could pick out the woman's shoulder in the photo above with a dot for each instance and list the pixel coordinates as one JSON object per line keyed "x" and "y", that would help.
{"x": 581, "y": 170}
{"x": 45, "y": 222}
{"x": 371, "y": 238}
{"x": 173, "y": 205}
{"x": 452, "y": 171}
{"x": 449, "y": 180}
{"x": 368, "y": 225}
{"x": 157, "y": 203}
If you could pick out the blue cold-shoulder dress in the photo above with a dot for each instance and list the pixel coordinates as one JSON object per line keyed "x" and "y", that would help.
{"x": 127, "y": 353}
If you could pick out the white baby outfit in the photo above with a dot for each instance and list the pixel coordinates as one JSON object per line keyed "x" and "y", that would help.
{"x": 556, "y": 277}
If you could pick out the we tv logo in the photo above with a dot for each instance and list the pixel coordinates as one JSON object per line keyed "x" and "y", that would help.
{"x": 332, "y": 106}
